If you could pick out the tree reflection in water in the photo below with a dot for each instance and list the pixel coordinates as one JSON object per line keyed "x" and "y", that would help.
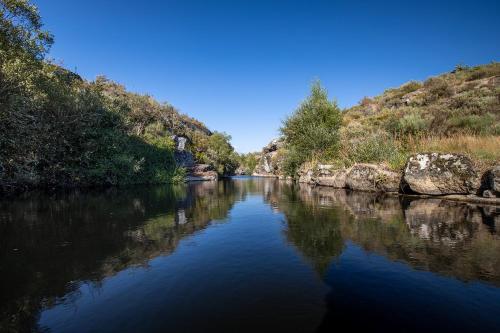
{"x": 51, "y": 244}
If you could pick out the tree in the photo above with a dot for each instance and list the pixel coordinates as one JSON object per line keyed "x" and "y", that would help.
{"x": 21, "y": 29}
{"x": 221, "y": 154}
{"x": 312, "y": 131}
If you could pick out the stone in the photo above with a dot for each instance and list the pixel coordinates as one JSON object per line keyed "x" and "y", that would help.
{"x": 488, "y": 194}
{"x": 184, "y": 159}
{"x": 493, "y": 180}
{"x": 373, "y": 178}
{"x": 180, "y": 142}
{"x": 306, "y": 176}
{"x": 202, "y": 172}
{"x": 440, "y": 174}
{"x": 269, "y": 162}
{"x": 336, "y": 178}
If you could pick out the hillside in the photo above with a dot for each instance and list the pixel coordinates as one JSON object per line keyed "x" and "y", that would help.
{"x": 456, "y": 112}
{"x": 59, "y": 130}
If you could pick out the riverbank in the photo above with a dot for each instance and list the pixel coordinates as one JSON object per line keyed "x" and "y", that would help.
{"x": 447, "y": 176}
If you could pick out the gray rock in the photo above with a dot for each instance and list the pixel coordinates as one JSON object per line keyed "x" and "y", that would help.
{"x": 269, "y": 163}
{"x": 335, "y": 178}
{"x": 373, "y": 178}
{"x": 438, "y": 174}
{"x": 184, "y": 159}
{"x": 493, "y": 181}
{"x": 202, "y": 172}
{"x": 306, "y": 176}
{"x": 180, "y": 142}
{"x": 488, "y": 194}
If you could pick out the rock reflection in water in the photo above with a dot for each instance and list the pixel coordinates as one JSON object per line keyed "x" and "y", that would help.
{"x": 51, "y": 245}
{"x": 452, "y": 238}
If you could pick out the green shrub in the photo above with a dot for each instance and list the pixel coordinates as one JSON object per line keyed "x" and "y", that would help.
{"x": 411, "y": 124}
{"x": 292, "y": 161}
{"x": 313, "y": 129}
{"x": 410, "y": 87}
{"x": 480, "y": 72}
{"x": 221, "y": 155}
{"x": 437, "y": 87}
{"x": 477, "y": 124}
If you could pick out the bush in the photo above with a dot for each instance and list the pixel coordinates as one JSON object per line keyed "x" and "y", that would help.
{"x": 410, "y": 87}
{"x": 477, "y": 124}
{"x": 221, "y": 155}
{"x": 313, "y": 129}
{"x": 374, "y": 148}
{"x": 437, "y": 87}
{"x": 480, "y": 72}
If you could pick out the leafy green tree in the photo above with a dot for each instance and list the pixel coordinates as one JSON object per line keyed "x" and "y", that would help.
{"x": 21, "y": 28}
{"x": 312, "y": 131}
{"x": 221, "y": 154}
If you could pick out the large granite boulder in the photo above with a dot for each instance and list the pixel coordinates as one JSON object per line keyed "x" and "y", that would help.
{"x": 329, "y": 176}
{"x": 373, "y": 178}
{"x": 439, "y": 174}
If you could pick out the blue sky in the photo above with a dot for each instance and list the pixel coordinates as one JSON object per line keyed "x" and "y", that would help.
{"x": 242, "y": 66}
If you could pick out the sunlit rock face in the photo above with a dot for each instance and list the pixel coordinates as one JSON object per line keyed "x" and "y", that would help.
{"x": 200, "y": 172}
{"x": 323, "y": 175}
{"x": 269, "y": 163}
{"x": 438, "y": 174}
{"x": 331, "y": 177}
{"x": 371, "y": 177}
{"x": 183, "y": 158}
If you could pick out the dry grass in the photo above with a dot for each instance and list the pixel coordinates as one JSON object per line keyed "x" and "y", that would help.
{"x": 485, "y": 150}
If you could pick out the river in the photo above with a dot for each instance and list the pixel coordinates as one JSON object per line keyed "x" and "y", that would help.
{"x": 246, "y": 255}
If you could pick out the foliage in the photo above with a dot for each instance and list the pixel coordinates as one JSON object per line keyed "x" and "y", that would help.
{"x": 462, "y": 106}
{"x": 313, "y": 129}
{"x": 220, "y": 154}
{"x": 21, "y": 29}
{"x": 248, "y": 162}
{"x": 60, "y": 130}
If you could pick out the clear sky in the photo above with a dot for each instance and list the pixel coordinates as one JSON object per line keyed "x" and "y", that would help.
{"x": 242, "y": 66}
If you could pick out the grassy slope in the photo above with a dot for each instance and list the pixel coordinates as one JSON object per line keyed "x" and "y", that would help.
{"x": 454, "y": 112}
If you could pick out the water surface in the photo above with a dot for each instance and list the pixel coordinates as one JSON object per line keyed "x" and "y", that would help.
{"x": 246, "y": 255}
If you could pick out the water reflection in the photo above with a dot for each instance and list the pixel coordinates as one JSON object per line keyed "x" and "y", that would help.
{"x": 447, "y": 237}
{"x": 52, "y": 244}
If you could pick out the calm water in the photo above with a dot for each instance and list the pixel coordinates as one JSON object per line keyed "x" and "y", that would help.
{"x": 247, "y": 254}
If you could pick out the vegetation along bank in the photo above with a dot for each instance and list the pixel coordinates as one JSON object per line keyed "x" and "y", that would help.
{"x": 437, "y": 137}
{"x": 60, "y": 130}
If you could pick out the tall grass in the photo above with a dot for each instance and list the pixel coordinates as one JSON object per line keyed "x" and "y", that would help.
{"x": 485, "y": 150}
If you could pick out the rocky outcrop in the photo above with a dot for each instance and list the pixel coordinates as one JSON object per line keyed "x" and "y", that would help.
{"x": 440, "y": 174}
{"x": 201, "y": 172}
{"x": 335, "y": 178}
{"x": 373, "y": 178}
{"x": 324, "y": 175}
{"x": 269, "y": 163}
{"x": 184, "y": 158}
